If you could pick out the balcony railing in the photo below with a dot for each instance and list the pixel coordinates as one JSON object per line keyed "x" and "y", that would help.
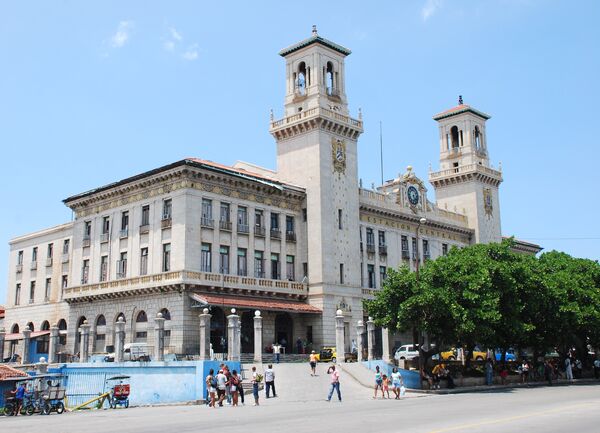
{"x": 275, "y": 234}
{"x": 383, "y": 250}
{"x": 290, "y": 236}
{"x": 144, "y": 228}
{"x": 124, "y": 233}
{"x": 33, "y": 265}
{"x": 104, "y": 237}
{"x": 165, "y": 222}
{"x": 243, "y": 228}
{"x": 86, "y": 241}
{"x": 371, "y": 248}
{"x": 259, "y": 231}
{"x": 225, "y": 225}
{"x": 207, "y": 222}
{"x": 405, "y": 255}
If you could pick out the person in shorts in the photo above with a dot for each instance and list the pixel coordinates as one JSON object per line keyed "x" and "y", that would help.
{"x": 211, "y": 386}
{"x": 313, "y": 363}
{"x": 221, "y": 387}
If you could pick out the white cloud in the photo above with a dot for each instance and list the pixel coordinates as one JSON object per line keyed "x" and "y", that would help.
{"x": 191, "y": 53}
{"x": 430, "y": 8}
{"x": 169, "y": 45}
{"x": 120, "y": 38}
{"x": 175, "y": 34}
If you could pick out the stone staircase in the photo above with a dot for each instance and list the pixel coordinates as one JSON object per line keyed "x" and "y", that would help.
{"x": 248, "y": 358}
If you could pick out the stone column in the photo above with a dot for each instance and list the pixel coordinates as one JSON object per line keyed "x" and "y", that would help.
{"x": 385, "y": 342}
{"x": 370, "y": 338}
{"x": 53, "y": 348}
{"x": 339, "y": 336}
{"x": 257, "y": 337}
{"x": 2, "y": 333}
{"x": 232, "y": 340}
{"x": 159, "y": 338}
{"x": 119, "y": 340}
{"x": 360, "y": 329}
{"x": 93, "y": 348}
{"x": 205, "y": 335}
{"x": 26, "y": 340}
{"x": 84, "y": 342}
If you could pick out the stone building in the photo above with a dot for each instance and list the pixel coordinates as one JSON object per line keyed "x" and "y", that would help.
{"x": 297, "y": 243}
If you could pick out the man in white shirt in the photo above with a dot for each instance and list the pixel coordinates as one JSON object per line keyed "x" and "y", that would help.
{"x": 276, "y": 352}
{"x": 221, "y": 386}
{"x": 270, "y": 381}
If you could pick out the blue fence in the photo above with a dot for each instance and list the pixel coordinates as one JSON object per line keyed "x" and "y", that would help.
{"x": 411, "y": 378}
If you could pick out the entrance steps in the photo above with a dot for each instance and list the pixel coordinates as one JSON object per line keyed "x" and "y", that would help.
{"x": 248, "y": 358}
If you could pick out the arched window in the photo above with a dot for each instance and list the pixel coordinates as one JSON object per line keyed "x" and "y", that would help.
{"x": 454, "y": 137}
{"x": 31, "y": 327}
{"x": 120, "y": 315}
{"x": 45, "y": 326}
{"x": 477, "y": 138}
{"x": 141, "y": 317}
{"x": 167, "y": 316}
{"x": 78, "y": 333}
{"x": 101, "y": 320}
{"x": 141, "y": 327}
{"x": 62, "y": 325}
{"x": 165, "y": 313}
{"x": 99, "y": 344}
{"x": 329, "y": 80}
{"x": 62, "y": 332}
{"x": 14, "y": 329}
{"x": 301, "y": 81}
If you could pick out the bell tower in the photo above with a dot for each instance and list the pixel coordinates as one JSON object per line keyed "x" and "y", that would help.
{"x": 317, "y": 150}
{"x": 466, "y": 182}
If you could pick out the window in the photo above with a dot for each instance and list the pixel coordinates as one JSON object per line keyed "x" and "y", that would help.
{"x": 144, "y": 261}
{"x": 289, "y": 224}
{"x": 444, "y": 249}
{"x": 31, "y": 292}
{"x": 370, "y": 240}
{"x": 259, "y": 266}
{"x": 166, "y": 260}
{"x": 122, "y": 265}
{"x": 290, "y": 273}
{"x": 167, "y": 209}
{"x": 34, "y": 254}
{"x": 454, "y": 137}
{"x": 340, "y": 226}
{"x": 415, "y": 252}
{"x": 274, "y": 221}
{"x": 105, "y": 225}
{"x": 304, "y": 214}
{"x": 206, "y": 219}
{"x": 224, "y": 219}
{"x": 371, "y": 276}
{"x": 124, "y": 223}
{"x": 224, "y": 259}
{"x": 145, "y": 215}
{"x": 205, "y": 258}
{"x": 66, "y": 244}
{"x": 455, "y": 167}
{"x": 275, "y": 266}
{"x": 50, "y": 251}
{"x": 381, "y": 238}
{"x": 259, "y": 224}
{"x": 64, "y": 283}
{"x": 305, "y": 269}
{"x": 242, "y": 219}
{"x": 426, "y": 253}
{"x": 242, "y": 262}
{"x": 20, "y": 258}
{"x": 85, "y": 269}
{"x": 48, "y": 288}
{"x": 18, "y": 294}
{"x": 382, "y": 274}
{"x": 404, "y": 246}
{"x": 341, "y": 273}
{"x": 87, "y": 230}
{"x": 103, "y": 268}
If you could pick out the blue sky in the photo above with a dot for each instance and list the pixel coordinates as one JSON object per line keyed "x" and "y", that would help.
{"x": 92, "y": 92}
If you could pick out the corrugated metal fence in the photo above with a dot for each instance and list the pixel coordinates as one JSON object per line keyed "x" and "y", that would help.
{"x": 84, "y": 385}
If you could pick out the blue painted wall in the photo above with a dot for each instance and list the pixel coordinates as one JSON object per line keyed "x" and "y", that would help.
{"x": 411, "y": 378}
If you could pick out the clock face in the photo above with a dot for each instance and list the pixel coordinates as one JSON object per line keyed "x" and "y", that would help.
{"x": 413, "y": 195}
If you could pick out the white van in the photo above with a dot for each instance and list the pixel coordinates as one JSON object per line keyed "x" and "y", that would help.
{"x": 408, "y": 351}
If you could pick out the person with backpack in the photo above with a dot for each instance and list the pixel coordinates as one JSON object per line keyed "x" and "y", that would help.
{"x": 234, "y": 387}
{"x": 211, "y": 386}
{"x": 256, "y": 379}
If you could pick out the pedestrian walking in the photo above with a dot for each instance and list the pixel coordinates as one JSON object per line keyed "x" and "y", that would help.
{"x": 240, "y": 388}
{"x": 335, "y": 383}
{"x": 211, "y": 386}
{"x": 234, "y": 390}
{"x": 548, "y": 371}
{"x": 524, "y": 371}
{"x": 489, "y": 372}
{"x": 386, "y": 385}
{"x": 270, "y": 381}
{"x": 313, "y": 363}
{"x": 256, "y": 379}
{"x": 397, "y": 382}
{"x": 568, "y": 368}
{"x": 378, "y": 382}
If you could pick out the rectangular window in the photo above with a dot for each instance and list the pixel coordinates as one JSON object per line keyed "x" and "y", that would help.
{"x": 224, "y": 217}
{"x": 34, "y": 254}
{"x": 31, "y": 292}
{"x": 290, "y": 272}
{"x": 206, "y": 218}
{"x": 145, "y": 215}
{"x": 66, "y": 245}
{"x": 224, "y": 259}
{"x": 305, "y": 269}
{"x": 340, "y": 226}
{"x": 20, "y": 258}
{"x": 166, "y": 259}
{"x": 242, "y": 262}
{"x": 341, "y": 273}
{"x": 304, "y": 214}
{"x": 242, "y": 219}
{"x": 426, "y": 253}
{"x": 259, "y": 265}
{"x": 85, "y": 269}
{"x": 122, "y": 265}
{"x": 381, "y": 238}
{"x": 275, "y": 267}
{"x": 274, "y": 221}
{"x": 87, "y": 230}
{"x": 124, "y": 224}
{"x": 205, "y": 258}
{"x": 370, "y": 240}
{"x": 382, "y": 274}
{"x": 259, "y": 224}
{"x": 289, "y": 224}
{"x": 18, "y": 294}
{"x": 103, "y": 268}
{"x": 404, "y": 247}
{"x": 64, "y": 282}
{"x": 167, "y": 209}
{"x": 50, "y": 251}
{"x": 371, "y": 276}
{"x": 444, "y": 249}
{"x": 144, "y": 261}
{"x": 47, "y": 289}
{"x": 105, "y": 225}
{"x": 415, "y": 252}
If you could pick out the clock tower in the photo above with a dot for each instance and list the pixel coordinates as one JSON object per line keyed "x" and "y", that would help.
{"x": 317, "y": 150}
{"x": 466, "y": 182}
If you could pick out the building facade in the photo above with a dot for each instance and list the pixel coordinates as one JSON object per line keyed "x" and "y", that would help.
{"x": 297, "y": 243}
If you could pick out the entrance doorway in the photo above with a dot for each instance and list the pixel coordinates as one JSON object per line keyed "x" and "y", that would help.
{"x": 218, "y": 330}
{"x": 247, "y": 336}
{"x": 284, "y": 331}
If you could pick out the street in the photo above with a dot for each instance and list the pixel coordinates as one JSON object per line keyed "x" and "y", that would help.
{"x": 301, "y": 406}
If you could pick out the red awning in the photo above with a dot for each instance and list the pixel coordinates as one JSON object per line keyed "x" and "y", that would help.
{"x": 255, "y": 303}
{"x": 19, "y": 336}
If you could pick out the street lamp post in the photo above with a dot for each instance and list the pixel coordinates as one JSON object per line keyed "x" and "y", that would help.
{"x": 417, "y": 336}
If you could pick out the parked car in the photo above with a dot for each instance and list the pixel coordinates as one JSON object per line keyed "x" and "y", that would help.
{"x": 329, "y": 354}
{"x": 132, "y": 352}
{"x": 510, "y": 355}
{"x": 407, "y": 351}
{"x": 451, "y": 355}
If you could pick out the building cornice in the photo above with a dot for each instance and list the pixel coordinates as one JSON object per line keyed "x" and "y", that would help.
{"x": 316, "y": 118}
{"x": 39, "y": 233}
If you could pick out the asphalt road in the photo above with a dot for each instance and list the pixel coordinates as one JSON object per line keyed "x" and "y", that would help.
{"x": 301, "y": 407}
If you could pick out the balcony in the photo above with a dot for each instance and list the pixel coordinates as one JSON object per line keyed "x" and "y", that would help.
{"x": 144, "y": 228}
{"x": 124, "y": 233}
{"x": 207, "y": 222}
{"x": 19, "y": 268}
{"x": 275, "y": 234}
{"x": 158, "y": 283}
{"x": 65, "y": 258}
{"x": 225, "y": 225}
{"x": 259, "y": 231}
{"x": 243, "y": 228}
{"x": 104, "y": 237}
{"x": 33, "y": 265}
{"x": 371, "y": 248}
{"x": 383, "y": 250}
{"x": 405, "y": 255}
{"x": 49, "y": 262}
{"x": 86, "y": 241}
{"x": 290, "y": 236}
{"x": 165, "y": 222}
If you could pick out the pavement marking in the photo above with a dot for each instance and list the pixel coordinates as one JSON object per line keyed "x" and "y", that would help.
{"x": 514, "y": 418}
